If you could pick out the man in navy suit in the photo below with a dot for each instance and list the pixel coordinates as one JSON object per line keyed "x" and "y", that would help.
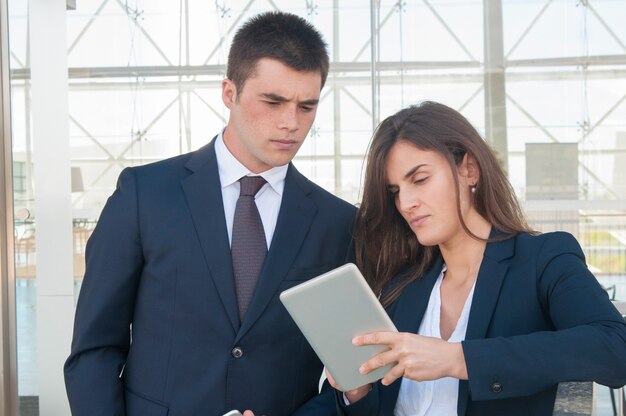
{"x": 158, "y": 329}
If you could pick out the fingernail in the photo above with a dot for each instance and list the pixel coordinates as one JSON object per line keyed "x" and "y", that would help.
{"x": 354, "y": 341}
{"x": 384, "y": 382}
{"x": 362, "y": 370}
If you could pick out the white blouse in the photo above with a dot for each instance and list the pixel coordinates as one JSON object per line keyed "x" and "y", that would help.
{"x": 438, "y": 397}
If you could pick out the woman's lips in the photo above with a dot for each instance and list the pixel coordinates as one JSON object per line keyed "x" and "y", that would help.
{"x": 418, "y": 220}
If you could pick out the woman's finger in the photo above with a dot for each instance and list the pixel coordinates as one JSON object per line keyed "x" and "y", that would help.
{"x": 375, "y": 338}
{"x": 395, "y": 373}
{"x": 377, "y": 361}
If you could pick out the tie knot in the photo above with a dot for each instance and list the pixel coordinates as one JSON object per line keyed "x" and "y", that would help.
{"x": 250, "y": 185}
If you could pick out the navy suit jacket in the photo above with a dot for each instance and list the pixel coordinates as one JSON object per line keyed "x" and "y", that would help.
{"x": 158, "y": 302}
{"x": 538, "y": 317}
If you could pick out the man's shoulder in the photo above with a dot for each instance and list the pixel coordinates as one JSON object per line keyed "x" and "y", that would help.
{"x": 179, "y": 163}
{"x": 322, "y": 196}
{"x": 174, "y": 162}
{"x": 331, "y": 200}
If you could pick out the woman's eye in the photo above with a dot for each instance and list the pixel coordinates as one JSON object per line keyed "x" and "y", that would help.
{"x": 421, "y": 180}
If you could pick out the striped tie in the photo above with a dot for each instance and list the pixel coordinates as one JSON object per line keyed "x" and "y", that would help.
{"x": 248, "y": 248}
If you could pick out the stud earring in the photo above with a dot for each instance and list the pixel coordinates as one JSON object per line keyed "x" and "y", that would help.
{"x": 473, "y": 189}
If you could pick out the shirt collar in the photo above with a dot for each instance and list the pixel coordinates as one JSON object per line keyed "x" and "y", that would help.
{"x": 231, "y": 170}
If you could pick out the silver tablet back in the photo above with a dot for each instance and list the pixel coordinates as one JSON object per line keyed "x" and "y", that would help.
{"x": 330, "y": 310}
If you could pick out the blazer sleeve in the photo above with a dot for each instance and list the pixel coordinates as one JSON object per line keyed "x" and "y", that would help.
{"x": 321, "y": 405}
{"x": 102, "y": 327}
{"x": 588, "y": 343}
{"x": 330, "y": 402}
{"x": 367, "y": 406}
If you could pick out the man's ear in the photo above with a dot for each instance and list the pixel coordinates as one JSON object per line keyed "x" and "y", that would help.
{"x": 229, "y": 93}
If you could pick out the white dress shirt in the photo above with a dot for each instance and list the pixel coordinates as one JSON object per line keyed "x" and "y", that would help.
{"x": 437, "y": 397}
{"x": 267, "y": 200}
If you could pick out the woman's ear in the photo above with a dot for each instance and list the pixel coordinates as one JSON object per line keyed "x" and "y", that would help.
{"x": 469, "y": 169}
{"x": 473, "y": 172}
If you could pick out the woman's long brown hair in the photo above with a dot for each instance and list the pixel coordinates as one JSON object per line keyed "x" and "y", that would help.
{"x": 385, "y": 244}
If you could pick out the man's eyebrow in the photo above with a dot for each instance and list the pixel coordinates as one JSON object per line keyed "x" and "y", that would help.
{"x": 273, "y": 97}
{"x": 280, "y": 98}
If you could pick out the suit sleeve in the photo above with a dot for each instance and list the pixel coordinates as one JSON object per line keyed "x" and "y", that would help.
{"x": 588, "y": 343}
{"x": 102, "y": 327}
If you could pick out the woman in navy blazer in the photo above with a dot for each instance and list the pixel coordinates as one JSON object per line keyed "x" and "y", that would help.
{"x": 491, "y": 315}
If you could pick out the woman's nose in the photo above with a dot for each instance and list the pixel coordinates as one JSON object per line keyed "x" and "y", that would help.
{"x": 407, "y": 201}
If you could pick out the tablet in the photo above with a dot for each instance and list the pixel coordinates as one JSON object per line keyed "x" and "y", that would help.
{"x": 330, "y": 310}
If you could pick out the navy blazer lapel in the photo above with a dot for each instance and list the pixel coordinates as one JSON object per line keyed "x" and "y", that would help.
{"x": 409, "y": 309}
{"x": 487, "y": 290}
{"x": 203, "y": 191}
{"x": 486, "y": 293}
{"x": 407, "y": 314}
{"x": 294, "y": 220}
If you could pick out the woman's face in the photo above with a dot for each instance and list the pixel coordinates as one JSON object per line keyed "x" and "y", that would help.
{"x": 423, "y": 187}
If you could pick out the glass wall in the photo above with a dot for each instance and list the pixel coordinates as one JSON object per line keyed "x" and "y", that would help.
{"x": 144, "y": 84}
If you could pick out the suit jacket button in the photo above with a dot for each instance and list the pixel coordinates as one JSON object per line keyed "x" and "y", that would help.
{"x": 496, "y": 387}
{"x": 237, "y": 352}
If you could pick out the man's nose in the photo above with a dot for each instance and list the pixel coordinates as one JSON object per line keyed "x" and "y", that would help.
{"x": 289, "y": 119}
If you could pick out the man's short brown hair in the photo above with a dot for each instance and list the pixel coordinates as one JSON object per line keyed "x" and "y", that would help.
{"x": 285, "y": 37}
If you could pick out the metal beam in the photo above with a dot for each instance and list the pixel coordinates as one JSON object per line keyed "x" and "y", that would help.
{"x": 127, "y": 10}
{"x": 606, "y": 26}
{"x": 495, "y": 84}
{"x": 342, "y": 79}
{"x": 125, "y": 160}
{"x": 392, "y": 67}
{"x": 235, "y": 24}
{"x": 336, "y": 102}
{"x": 129, "y": 160}
{"x": 540, "y": 126}
{"x": 8, "y": 346}
{"x": 86, "y": 27}
{"x": 530, "y": 26}
{"x": 600, "y": 60}
{"x": 442, "y": 21}
{"x": 374, "y": 63}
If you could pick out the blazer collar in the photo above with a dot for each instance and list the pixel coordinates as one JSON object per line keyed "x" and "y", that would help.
{"x": 407, "y": 313}
{"x": 409, "y": 310}
{"x": 204, "y": 196}
{"x": 491, "y": 275}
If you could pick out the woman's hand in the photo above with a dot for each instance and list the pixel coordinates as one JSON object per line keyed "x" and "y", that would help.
{"x": 414, "y": 356}
{"x": 352, "y": 395}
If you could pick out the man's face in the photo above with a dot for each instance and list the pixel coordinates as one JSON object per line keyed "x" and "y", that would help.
{"x": 271, "y": 116}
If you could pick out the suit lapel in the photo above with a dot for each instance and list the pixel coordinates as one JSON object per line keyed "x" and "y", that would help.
{"x": 203, "y": 192}
{"x": 486, "y": 293}
{"x": 407, "y": 314}
{"x": 411, "y": 306}
{"x": 296, "y": 214}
